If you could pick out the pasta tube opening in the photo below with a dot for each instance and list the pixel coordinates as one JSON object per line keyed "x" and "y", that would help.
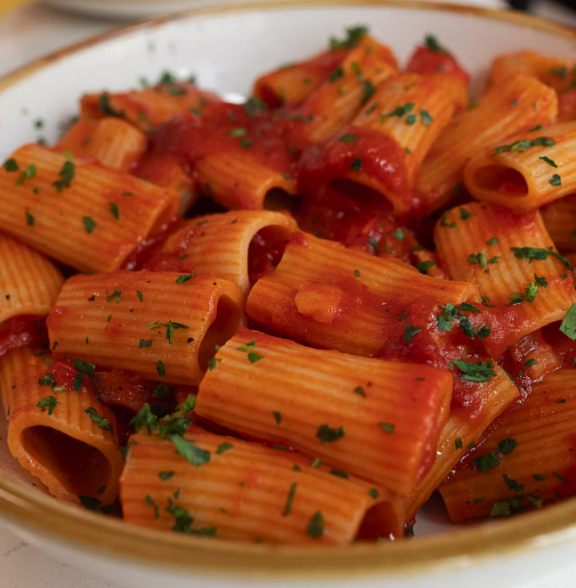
{"x": 501, "y": 180}
{"x": 81, "y": 468}
{"x": 228, "y": 320}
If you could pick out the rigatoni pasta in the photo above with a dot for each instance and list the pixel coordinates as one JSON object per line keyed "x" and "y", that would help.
{"x": 162, "y": 325}
{"x": 58, "y": 430}
{"x": 520, "y": 103}
{"x": 220, "y": 244}
{"x": 243, "y": 491}
{"x": 526, "y": 459}
{"x": 267, "y": 330}
{"x": 351, "y": 412}
{"x": 526, "y": 172}
{"x": 324, "y": 295}
{"x": 29, "y": 283}
{"x": 524, "y": 282}
{"x": 106, "y": 213}
{"x": 112, "y": 141}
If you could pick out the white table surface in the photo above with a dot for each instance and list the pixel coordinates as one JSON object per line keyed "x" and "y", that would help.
{"x": 26, "y": 34}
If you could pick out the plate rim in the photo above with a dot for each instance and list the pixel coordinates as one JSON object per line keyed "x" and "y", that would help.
{"x": 117, "y": 540}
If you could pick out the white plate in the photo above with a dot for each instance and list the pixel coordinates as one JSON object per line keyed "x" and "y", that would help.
{"x": 135, "y": 9}
{"x": 226, "y": 50}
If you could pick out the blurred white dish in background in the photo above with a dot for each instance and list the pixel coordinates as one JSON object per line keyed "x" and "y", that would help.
{"x": 135, "y": 9}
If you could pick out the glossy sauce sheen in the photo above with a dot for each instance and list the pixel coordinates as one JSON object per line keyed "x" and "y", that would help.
{"x": 23, "y": 331}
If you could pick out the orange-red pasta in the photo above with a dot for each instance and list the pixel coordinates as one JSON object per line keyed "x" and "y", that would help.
{"x": 460, "y": 434}
{"x": 166, "y": 171}
{"x": 52, "y": 432}
{"x": 325, "y": 295}
{"x": 526, "y": 459}
{"x": 398, "y": 125}
{"x": 553, "y": 71}
{"x": 161, "y": 325}
{"x": 518, "y": 104}
{"x": 237, "y": 180}
{"x": 218, "y": 244}
{"x": 112, "y": 141}
{"x": 247, "y": 492}
{"x": 560, "y": 221}
{"x": 508, "y": 257}
{"x": 347, "y": 89}
{"x": 352, "y": 412}
{"x": 528, "y": 171}
{"x": 82, "y": 214}
{"x": 29, "y": 283}
{"x": 148, "y": 107}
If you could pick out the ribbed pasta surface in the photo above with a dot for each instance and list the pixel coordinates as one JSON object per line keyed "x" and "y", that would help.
{"x": 249, "y": 492}
{"x": 158, "y": 324}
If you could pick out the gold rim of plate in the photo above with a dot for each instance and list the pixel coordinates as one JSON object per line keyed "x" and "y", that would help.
{"x": 113, "y": 538}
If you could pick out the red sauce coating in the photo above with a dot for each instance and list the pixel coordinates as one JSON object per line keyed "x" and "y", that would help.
{"x": 567, "y": 106}
{"x": 23, "y": 331}
{"x": 227, "y": 128}
{"x": 382, "y": 159}
{"x": 426, "y": 61}
{"x": 131, "y": 391}
{"x": 264, "y": 254}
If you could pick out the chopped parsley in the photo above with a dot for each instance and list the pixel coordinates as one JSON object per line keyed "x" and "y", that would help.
{"x": 89, "y": 224}
{"x": 507, "y": 446}
{"x": 426, "y": 117}
{"x": 532, "y": 253}
{"x": 165, "y": 475}
{"x": 356, "y": 164}
{"x": 486, "y": 462}
{"x": 360, "y": 391}
{"x": 160, "y": 368}
{"x": 116, "y": 296}
{"x": 465, "y": 214}
{"x": 316, "y": 525}
{"x": 290, "y": 499}
{"x": 347, "y": 138}
{"x": 475, "y": 372}
{"x": 67, "y": 175}
{"x": 555, "y": 180}
{"x": 170, "y": 328}
{"x": 185, "y": 278}
{"x": 492, "y": 241}
{"x": 523, "y": 145}
{"x": 424, "y": 266}
{"x": 568, "y": 326}
{"x": 48, "y": 402}
{"x": 431, "y": 42}
{"x": 327, "y": 434}
{"x": 277, "y": 417}
{"x": 409, "y": 333}
{"x": 100, "y": 421}
{"x": 85, "y": 368}
{"x": 223, "y": 447}
{"x": 548, "y": 161}
{"x": 114, "y": 210}
{"x": 513, "y": 484}
{"x": 388, "y": 427}
{"x": 11, "y": 165}
{"x": 352, "y": 38}
{"x": 458, "y": 443}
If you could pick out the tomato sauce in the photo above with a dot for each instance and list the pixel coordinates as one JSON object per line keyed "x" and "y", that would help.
{"x": 382, "y": 159}
{"x": 427, "y": 61}
{"x": 23, "y": 331}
